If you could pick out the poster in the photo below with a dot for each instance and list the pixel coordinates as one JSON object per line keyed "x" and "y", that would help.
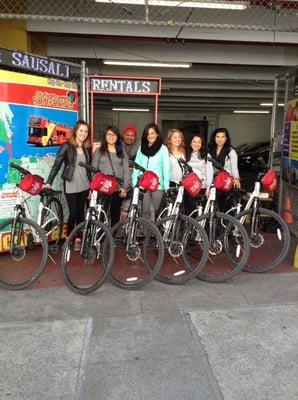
{"x": 36, "y": 116}
{"x": 290, "y": 144}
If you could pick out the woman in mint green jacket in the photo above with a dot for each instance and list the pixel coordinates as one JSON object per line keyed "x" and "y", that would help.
{"x": 153, "y": 156}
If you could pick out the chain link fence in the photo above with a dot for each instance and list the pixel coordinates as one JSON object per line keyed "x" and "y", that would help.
{"x": 265, "y": 15}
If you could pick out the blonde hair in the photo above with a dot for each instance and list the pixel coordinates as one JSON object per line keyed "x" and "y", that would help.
{"x": 76, "y": 127}
{"x": 171, "y": 132}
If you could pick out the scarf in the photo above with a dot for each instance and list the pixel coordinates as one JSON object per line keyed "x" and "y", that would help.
{"x": 150, "y": 151}
{"x": 221, "y": 157}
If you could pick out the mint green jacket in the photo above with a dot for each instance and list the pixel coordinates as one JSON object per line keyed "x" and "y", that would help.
{"x": 159, "y": 163}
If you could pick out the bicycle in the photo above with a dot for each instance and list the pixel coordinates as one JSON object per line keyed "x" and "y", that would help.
{"x": 138, "y": 243}
{"x": 27, "y": 244}
{"x": 269, "y": 236}
{"x": 228, "y": 240}
{"x": 185, "y": 240}
{"x": 85, "y": 269}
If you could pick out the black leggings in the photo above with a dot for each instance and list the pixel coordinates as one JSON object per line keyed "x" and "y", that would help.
{"x": 76, "y": 205}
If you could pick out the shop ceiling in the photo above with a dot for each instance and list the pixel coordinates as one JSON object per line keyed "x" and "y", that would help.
{"x": 235, "y": 54}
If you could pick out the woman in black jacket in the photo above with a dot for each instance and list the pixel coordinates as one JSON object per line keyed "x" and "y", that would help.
{"x": 76, "y": 178}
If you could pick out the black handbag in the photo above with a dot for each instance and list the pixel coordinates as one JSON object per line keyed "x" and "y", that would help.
{"x": 68, "y": 172}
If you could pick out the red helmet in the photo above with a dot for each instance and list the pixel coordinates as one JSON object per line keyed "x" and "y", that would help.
{"x": 149, "y": 181}
{"x": 270, "y": 181}
{"x": 106, "y": 184}
{"x": 224, "y": 181}
{"x": 192, "y": 183}
{"x": 31, "y": 184}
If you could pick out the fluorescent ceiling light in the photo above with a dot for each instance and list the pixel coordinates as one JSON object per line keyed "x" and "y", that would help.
{"x": 147, "y": 64}
{"x": 251, "y": 112}
{"x": 271, "y": 104}
{"x": 131, "y": 109}
{"x": 223, "y": 5}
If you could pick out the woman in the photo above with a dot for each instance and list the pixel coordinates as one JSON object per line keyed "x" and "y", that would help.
{"x": 196, "y": 157}
{"x": 111, "y": 159}
{"x": 176, "y": 147}
{"x": 76, "y": 179}
{"x": 222, "y": 151}
{"x": 154, "y": 156}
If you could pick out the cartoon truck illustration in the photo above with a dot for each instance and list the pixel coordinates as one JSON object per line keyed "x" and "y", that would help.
{"x": 42, "y": 132}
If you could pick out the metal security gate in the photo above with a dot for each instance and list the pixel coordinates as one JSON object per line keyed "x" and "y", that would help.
{"x": 287, "y": 136}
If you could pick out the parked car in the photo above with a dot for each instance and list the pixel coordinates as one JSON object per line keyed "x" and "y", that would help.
{"x": 249, "y": 157}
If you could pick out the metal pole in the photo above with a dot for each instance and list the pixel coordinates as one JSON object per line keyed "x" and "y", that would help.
{"x": 273, "y": 123}
{"x": 83, "y": 113}
{"x": 87, "y": 99}
{"x": 156, "y": 109}
{"x": 281, "y": 182}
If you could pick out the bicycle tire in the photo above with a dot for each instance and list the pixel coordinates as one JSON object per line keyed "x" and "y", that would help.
{"x": 192, "y": 240}
{"x": 24, "y": 245}
{"x": 126, "y": 277}
{"x": 239, "y": 242}
{"x": 84, "y": 278}
{"x": 271, "y": 247}
{"x": 53, "y": 203}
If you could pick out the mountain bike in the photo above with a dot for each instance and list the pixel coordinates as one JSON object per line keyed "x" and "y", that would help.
{"x": 87, "y": 267}
{"x": 26, "y": 247}
{"x": 228, "y": 240}
{"x": 185, "y": 240}
{"x": 269, "y": 236}
{"x": 139, "y": 246}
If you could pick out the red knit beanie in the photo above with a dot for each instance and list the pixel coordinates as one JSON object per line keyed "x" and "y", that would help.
{"x": 130, "y": 128}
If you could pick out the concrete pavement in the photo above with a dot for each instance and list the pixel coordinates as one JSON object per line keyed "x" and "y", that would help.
{"x": 199, "y": 341}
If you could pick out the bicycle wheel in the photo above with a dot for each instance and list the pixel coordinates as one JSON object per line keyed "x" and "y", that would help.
{"x": 86, "y": 267}
{"x": 24, "y": 253}
{"x": 52, "y": 222}
{"x": 269, "y": 239}
{"x": 139, "y": 253}
{"x": 186, "y": 245}
{"x": 228, "y": 247}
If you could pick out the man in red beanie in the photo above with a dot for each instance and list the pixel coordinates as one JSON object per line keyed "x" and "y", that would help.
{"x": 131, "y": 146}
{"x": 130, "y": 141}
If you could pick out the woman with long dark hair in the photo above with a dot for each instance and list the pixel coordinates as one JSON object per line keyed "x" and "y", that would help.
{"x": 154, "y": 156}
{"x": 111, "y": 159}
{"x": 76, "y": 179}
{"x": 221, "y": 150}
{"x": 196, "y": 157}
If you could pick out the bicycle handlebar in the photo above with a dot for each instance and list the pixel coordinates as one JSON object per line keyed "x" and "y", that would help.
{"x": 94, "y": 170}
{"x": 137, "y": 166}
{"x": 22, "y": 170}
{"x": 89, "y": 167}
{"x": 215, "y": 163}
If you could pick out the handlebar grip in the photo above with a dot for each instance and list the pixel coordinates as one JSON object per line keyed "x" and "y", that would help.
{"x": 88, "y": 167}
{"x": 22, "y": 170}
{"x": 137, "y": 166}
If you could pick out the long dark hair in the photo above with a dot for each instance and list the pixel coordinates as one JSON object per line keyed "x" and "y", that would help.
{"x": 146, "y": 130}
{"x": 118, "y": 145}
{"x": 202, "y": 153}
{"x": 212, "y": 146}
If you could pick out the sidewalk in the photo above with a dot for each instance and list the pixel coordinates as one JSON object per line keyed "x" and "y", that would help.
{"x": 199, "y": 341}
